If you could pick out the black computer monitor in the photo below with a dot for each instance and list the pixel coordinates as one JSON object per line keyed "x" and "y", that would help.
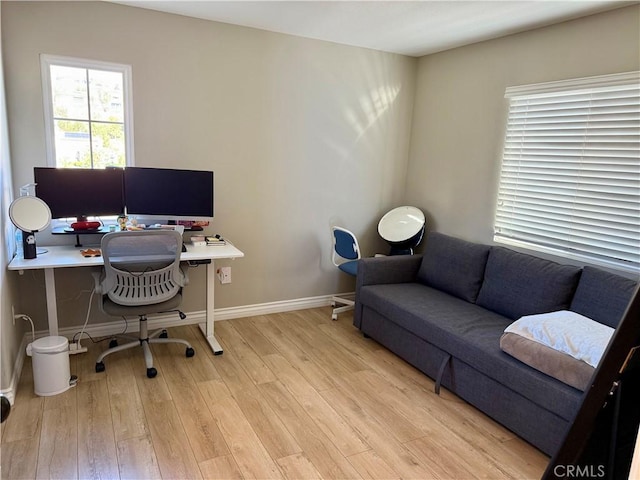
{"x": 169, "y": 194}
{"x": 80, "y": 192}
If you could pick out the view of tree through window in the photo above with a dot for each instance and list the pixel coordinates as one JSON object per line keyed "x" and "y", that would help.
{"x": 88, "y": 117}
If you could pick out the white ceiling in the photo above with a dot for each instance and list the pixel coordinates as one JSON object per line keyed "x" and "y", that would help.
{"x": 412, "y": 28}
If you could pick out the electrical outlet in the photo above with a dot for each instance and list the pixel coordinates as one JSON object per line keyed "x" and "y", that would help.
{"x": 224, "y": 274}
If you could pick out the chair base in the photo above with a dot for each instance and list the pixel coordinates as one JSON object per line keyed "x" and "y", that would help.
{"x": 347, "y": 304}
{"x": 159, "y": 336}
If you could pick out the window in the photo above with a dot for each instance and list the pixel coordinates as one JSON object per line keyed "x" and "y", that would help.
{"x": 570, "y": 179}
{"x": 88, "y": 115}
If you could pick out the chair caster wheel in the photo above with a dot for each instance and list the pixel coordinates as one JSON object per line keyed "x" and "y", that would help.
{"x": 151, "y": 372}
{"x": 99, "y": 367}
{"x": 190, "y": 352}
{"x": 334, "y": 317}
{"x": 164, "y": 334}
{"x": 113, "y": 343}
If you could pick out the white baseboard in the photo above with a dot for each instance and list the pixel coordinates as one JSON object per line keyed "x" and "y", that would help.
{"x": 164, "y": 321}
{"x": 272, "y": 307}
{"x": 172, "y": 320}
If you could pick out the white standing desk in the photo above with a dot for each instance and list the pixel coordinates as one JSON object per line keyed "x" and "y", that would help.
{"x": 70, "y": 257}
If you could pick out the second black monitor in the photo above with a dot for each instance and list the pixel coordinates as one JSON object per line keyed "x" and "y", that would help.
{"x": 80, "y": 192}
{"x": 171, "y": 194}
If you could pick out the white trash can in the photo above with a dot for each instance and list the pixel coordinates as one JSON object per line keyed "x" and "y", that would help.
{"x": 51, "y": 374}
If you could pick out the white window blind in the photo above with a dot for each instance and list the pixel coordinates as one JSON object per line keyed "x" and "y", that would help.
{"x": 570, "y": 179}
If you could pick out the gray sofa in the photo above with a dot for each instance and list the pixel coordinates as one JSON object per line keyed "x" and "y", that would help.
{"x": 445, "y": 311}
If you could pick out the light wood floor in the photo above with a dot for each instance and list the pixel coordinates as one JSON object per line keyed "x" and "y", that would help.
{"x": 294, "y": 395}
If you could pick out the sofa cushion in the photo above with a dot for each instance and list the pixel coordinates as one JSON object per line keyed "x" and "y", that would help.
{"x": 516, "y": 284}
{"x": 454, "y": 266}
{"x": 602, "y": 296}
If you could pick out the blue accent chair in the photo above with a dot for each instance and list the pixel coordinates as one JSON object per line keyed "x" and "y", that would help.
{"x": 346, "y": 254}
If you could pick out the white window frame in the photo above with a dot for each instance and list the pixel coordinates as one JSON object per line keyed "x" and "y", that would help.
{"x": 543, "y": 164}
{"x": 45, "y": 63}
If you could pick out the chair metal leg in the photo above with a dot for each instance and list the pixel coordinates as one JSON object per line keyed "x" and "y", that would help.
{"x": 347, "y": 303}
{"x": 189, "y": 352}
{"x": 170, "y": 340}
{"x": 148, "y": 359}
{"x": 143, "y": 341}
{"x": 119, "y": 348}
{"x": 157, "y": 333}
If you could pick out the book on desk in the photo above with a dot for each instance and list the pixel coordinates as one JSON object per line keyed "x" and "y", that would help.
{"x": 207, "y": 240}
{"x": 215, "y": 240}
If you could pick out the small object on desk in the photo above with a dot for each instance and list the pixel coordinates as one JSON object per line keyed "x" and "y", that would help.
{"x": 122, "y": 222}
{"x": 193, "y": 225}
{"x": 198, "y": 241}
{"x": 91, "y": 252}
{"x": 215, "y": 240}
{"x": 85, "y": 225}
{"x": 29, "y": 214}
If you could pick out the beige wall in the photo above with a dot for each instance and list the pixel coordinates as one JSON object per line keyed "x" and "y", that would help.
{"x": 300, "y": 134}
{"x": 460, "y": 111}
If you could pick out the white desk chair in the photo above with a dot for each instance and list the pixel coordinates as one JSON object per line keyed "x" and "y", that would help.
{"x": 141, "y": 275}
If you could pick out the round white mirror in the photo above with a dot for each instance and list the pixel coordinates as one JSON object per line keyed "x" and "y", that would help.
{"x": 30, "y": 214}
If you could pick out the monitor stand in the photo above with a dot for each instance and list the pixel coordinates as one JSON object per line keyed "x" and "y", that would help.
{"x": 77, "y": 233}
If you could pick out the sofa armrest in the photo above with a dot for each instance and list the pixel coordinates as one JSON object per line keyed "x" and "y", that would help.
{"x": 392, "y": 269}
{"x": 378, "y": 270}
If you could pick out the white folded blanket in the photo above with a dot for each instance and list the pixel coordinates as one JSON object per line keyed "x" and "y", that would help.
{"x": 567, "y": 332}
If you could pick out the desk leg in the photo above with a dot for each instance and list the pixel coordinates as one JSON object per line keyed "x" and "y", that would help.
{"x": 52, "y": 306}
{"x": 208, "y": 327}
